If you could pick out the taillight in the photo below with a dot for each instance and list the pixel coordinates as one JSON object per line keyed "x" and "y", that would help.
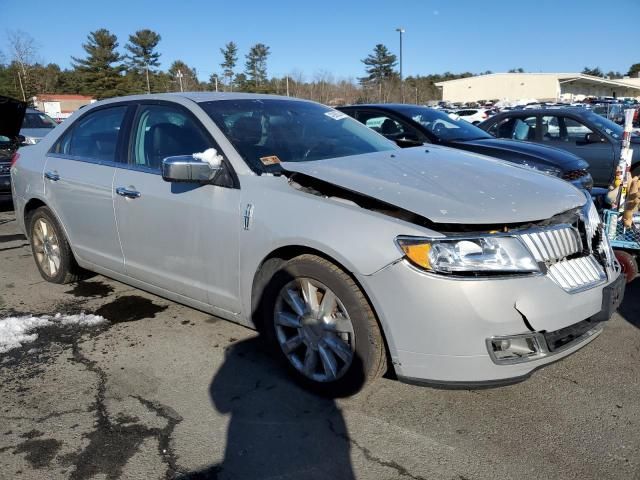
{"x": 15, "y": 158}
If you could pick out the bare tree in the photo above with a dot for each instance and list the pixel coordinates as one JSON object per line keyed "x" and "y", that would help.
{"x": 23, "y": 50}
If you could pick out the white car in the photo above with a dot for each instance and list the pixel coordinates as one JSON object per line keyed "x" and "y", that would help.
{"x": 473, "y": 115}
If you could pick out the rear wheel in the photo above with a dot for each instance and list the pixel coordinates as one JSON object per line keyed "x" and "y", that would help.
{"x": 323, "y": 327}
{"x": 51, "y": 249}
{"x": 628, "y": 264}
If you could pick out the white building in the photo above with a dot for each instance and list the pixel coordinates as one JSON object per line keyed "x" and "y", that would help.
{"x": 540, "y": 86}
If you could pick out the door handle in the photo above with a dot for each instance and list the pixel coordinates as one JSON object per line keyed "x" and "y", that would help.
{"x": 125, "y": 192}
{"x": 53, "y": 176}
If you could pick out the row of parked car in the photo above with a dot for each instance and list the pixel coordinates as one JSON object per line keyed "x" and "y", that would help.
{"x": 354, "y": 257}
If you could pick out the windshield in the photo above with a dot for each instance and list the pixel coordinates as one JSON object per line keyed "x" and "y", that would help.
{"x": 442, "y": 125}
{"x": 38, "y": 120}
{"x": 605, "y": 124}
{"x": 266, "y": 132}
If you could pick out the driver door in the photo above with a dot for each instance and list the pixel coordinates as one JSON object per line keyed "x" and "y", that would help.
{"x": 570, "y": 134}
{"x": 180, "y": 237}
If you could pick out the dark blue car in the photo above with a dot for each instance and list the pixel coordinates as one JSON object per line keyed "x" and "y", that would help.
{"x": 580, "y": 131}
{"x": 413, "y": 125}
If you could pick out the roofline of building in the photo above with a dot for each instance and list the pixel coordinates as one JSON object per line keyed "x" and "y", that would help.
{"x": 560, "y": 77}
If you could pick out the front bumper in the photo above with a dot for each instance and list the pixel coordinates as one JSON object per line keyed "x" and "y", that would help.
{"x": 437, "y": 327}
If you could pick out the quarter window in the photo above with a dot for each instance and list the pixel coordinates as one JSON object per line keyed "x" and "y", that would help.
{"x": 93, "y": 136}
{"x": 164, "y": 131}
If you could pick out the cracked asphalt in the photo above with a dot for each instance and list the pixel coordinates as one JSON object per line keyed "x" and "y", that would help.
{"x": 164, "y": 392}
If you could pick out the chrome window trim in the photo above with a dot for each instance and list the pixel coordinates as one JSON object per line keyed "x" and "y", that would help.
{"x": 106, "y": 163}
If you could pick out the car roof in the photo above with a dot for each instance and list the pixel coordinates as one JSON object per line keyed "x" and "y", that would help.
{"x": 536, "y": 111}
{"x": 198, "y": 97}
{"x": 381, "y": 105}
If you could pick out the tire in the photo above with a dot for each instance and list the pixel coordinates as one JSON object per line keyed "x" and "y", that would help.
{"x": 298, "y": 334}
{"x": 50, "y": 248}
{"x": 628, "y": 263}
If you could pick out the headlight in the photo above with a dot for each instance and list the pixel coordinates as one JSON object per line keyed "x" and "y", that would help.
{"x": 477, "y": 254}
{"x": 30, "y": 140}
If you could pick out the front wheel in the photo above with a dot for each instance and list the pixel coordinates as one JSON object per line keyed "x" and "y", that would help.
{"x": 323, "y": 327}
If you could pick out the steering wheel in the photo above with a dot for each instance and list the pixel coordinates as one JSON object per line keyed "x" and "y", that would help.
{"x": 438, "y": 129}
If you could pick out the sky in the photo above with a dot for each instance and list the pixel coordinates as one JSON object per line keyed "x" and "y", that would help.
{"x": 333, "y": 36}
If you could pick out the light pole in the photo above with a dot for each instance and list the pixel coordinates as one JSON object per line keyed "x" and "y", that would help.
{"x": 180, "y": 75}
{"x": 401, "y": 31}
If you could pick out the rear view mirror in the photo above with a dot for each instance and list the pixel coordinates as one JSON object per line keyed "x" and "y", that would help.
{"x": 184, "y": 168}
{"x": 407, "y": 140}
{"x": 593, "y": 138}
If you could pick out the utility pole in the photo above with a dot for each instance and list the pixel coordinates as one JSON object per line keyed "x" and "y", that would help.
{"x": 216, "y": 79}
{"x": 180, "y": 75}
{"x": 287, "y": 77}
{"x": 401, "y": 31}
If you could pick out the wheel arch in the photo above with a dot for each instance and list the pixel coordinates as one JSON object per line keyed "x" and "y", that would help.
{"x": 271, "y": 262}
{"x": 31, "y": 206}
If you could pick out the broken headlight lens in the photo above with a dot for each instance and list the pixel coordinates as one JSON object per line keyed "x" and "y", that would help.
{"x": 491, "y": 254}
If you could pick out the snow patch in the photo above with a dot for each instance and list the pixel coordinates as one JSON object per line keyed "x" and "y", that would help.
{"x": 209, "y": 156}
{"x": 16, "y": 331}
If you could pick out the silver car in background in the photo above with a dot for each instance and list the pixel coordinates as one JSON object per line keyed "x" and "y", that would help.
{"x": 353, "y": 257}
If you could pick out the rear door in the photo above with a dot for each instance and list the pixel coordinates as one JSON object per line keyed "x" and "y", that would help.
{"x": 180, "y": 237}
{"x": 79, "y": 174}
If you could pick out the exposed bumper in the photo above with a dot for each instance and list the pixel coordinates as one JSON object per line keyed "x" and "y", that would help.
{"x": 437, "y": 328}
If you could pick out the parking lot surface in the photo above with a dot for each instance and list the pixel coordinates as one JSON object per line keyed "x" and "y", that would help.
{"x": 164, "y": 391}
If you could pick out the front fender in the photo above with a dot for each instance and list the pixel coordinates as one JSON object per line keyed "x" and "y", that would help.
{"x": 362, "y": 241}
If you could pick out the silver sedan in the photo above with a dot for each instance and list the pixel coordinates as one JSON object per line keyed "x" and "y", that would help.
{"x": 351, "y": 256}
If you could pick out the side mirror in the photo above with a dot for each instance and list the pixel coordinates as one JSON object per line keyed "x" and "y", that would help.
{"x": 593, "y": 137}
{"x": 184, "y": 168}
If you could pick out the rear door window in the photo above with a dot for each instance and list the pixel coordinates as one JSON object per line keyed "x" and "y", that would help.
{"x": 94, "y": 136}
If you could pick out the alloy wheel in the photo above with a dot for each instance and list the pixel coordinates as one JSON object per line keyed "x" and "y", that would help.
{"x": 314, "y": 330}
{"x": 46, "y": 247}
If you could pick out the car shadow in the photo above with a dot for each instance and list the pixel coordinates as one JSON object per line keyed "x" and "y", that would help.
{"x": 276, "y": 429}
{"x": 630, "y": 308}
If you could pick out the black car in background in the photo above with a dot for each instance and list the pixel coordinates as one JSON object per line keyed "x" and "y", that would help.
{"x": 11, "y": 116}
{"x": 414, "y": 125}
{"x": 580, "y": 131}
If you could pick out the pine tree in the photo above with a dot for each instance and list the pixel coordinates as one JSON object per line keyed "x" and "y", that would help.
{"x": 634, "y": 70}
{"x": 142, "y": 55}
{"x": 230, "y": 55}
{"x": 101, "y": 69}
{"x": 380, "y": 65}
{"x": 256, "y": 64}
{"x": 380, "y": 68}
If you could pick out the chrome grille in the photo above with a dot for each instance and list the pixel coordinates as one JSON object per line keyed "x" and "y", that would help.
{"x": 574, "y": 174}
{"x": 574, "y": 261}
{"x": 577, "y": 273}
{"x": 553, "y": 244}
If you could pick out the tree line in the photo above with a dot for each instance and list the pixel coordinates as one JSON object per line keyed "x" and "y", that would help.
{"x": 106, "y": 70}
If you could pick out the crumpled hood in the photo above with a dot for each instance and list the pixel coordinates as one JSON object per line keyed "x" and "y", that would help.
{"x": 11, "y": 116}
{"x": 538, "y": 153}
{"x": 446, "y": 185}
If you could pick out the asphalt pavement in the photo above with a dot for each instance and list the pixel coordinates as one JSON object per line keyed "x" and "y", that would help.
{"x": 164, "y": 391}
